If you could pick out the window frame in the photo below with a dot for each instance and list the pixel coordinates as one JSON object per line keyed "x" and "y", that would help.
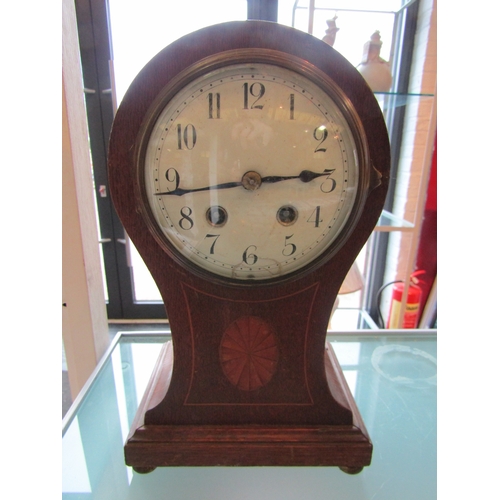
{"x": 96, "y": 54}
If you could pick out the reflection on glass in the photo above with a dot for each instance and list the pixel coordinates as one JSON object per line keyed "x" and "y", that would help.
{"x": 355, "y": 26}
{"x": 347, "y": 353}
{"x": 351, "y": 377}
{"x": 156, "y": 24}
{"x": 145, "y": 288}
{"x": 75, "y": 478}
{"x": 118, "y": 367}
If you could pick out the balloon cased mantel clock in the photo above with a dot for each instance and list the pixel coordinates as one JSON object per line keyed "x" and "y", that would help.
{"x": 249, "y": 164}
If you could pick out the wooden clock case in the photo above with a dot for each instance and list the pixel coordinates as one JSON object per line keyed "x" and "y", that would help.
{"x": 292, "y": 406}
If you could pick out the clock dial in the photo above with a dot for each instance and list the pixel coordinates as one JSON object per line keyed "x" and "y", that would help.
{"x": 251, "y": 171}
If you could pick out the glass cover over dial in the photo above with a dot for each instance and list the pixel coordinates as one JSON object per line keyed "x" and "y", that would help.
{"x": 251, "y": 171}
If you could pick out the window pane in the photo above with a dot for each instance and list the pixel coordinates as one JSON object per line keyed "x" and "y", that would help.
{"x": 145, "y": 289}
{"x": 139, "y": 30}
{"x": 355, "y": 26}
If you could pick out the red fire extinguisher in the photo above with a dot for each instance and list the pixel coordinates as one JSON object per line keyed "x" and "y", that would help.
{"x": 410, "y": 317}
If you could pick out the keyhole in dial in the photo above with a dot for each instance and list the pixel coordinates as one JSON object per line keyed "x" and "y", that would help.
{"x": 216, "y": 216}
{"x": 287, "y": 215}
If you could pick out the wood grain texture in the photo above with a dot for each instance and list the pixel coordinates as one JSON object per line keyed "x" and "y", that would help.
{"x": 150, "y": 446}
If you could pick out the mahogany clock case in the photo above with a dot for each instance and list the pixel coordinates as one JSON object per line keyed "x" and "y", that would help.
{"x": 306, "y": 393}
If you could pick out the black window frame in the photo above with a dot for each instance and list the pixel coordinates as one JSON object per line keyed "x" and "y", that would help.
{"x": 96, "y": 56}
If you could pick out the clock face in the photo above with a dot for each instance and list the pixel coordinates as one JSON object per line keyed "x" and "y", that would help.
{"x": 251, "y": 171}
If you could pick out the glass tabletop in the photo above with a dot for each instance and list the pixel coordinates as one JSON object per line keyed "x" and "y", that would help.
{"x": 391, "y": 374}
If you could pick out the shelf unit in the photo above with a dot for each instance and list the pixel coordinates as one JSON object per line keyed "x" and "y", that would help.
{"x": 416, "y": 132}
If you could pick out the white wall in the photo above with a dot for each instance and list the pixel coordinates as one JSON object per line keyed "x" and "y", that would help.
{"x": 84, "y": 321}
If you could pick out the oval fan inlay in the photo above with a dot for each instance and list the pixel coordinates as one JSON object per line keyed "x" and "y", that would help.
{"x": 249, "y": 353}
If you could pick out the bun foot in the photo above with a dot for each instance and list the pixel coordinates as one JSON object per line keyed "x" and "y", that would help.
{"x": 144, "y": 470}
{"x": 351, "y": 470}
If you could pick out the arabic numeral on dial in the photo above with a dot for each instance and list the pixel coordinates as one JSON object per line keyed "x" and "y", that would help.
{"x": 249, "y": 257}
{"x": 212, "y": 246}
{"x": 255, "y": 90}
{"x": 186, "y": 138}
{"x": 315, "y": 217}
{"x": 320, "y": 134}
{"x": 290, "y": 248}
{"x": 213, "y": 105}
{"x": 186, "y": 222}
{"x": 172, "y": 177}
{"x": 329, "y": 184}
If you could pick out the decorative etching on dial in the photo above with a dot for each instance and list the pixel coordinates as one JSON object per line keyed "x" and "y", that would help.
{"x": 249, "y": 353}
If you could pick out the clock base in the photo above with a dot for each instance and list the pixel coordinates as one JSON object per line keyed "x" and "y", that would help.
{"x": 150, "y": 446}
{"x": 248, "y": 445}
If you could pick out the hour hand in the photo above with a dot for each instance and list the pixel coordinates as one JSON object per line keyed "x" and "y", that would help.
{"x": 180, "y": 191}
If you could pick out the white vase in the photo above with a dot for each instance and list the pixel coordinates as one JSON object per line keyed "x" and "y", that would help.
{"x": 375, "y": 70}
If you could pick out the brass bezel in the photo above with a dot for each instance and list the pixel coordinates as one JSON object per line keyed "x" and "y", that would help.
{"x": 253, "y": 56}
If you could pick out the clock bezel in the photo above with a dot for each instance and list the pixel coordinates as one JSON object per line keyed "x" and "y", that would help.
{"x": 250, "y": 56}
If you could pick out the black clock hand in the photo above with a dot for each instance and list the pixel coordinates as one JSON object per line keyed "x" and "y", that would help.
{"x": 251, "y": 181}
{"x": 304, "y": 176}
{"x": 180, "y": 191}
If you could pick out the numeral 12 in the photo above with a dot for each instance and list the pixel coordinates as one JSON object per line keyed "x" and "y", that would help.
{"x": 257, "y": 90}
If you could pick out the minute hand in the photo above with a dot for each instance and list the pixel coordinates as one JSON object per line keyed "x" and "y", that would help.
{"x": 251, "y": 180}
{"x": 304, "y": 176}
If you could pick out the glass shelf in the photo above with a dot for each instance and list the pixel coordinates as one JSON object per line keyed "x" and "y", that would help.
{"x": 392, "y": 100}
{"x": 383, "y": 6}
{"x": 391, "y": 374}
{"x": 389, "y": 222}
{"x": 351, "y": 320}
